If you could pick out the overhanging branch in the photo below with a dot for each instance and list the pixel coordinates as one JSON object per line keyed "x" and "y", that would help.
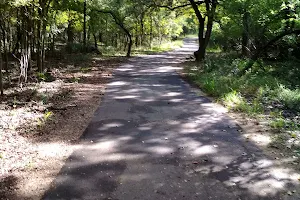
{"x": 176, "y": 7}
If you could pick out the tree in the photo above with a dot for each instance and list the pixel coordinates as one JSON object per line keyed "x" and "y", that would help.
{"x": 205, "y": 20}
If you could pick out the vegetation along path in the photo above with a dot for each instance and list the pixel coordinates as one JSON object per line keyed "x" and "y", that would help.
{"x": 153, "y": 137}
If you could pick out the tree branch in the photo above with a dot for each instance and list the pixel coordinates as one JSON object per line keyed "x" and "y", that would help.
{"x": 197, "y": 11}
{"x": 266, "y": 46}
{"x": 176, "y": 7}
{"x": 116, "y": 19}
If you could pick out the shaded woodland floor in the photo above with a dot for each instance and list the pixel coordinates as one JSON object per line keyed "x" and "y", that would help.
{"x": 41, "y": 122}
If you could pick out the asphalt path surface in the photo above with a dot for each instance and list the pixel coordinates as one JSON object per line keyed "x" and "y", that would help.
{"x": 155, "y": 137}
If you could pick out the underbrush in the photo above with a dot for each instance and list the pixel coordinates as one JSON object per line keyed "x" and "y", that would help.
{"x": 268, "y": 91}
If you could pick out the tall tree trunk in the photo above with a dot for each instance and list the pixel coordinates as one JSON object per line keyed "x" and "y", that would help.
{"x": 43, "y": 46}
{"x": 142, "y": 29}
{"x": 129, "y": 45}
{"x": 19, "y": 35}
{"x": 4, "y": 37}
{"x": 203, "y": 36}
{"x": 136, "y": 35}
{"x": 29, "y": 34}
{"x": 84, "y": 24}
{"x": 100, "y": 37}
{"x": 70, "y": 33}
{"x": 39, "y": 53}
{"x": 151, "y": 31}
{"x": 95, "y": 41}
{"x": 25, "y": 49}
{"x": 1, "y": 75}
{"x": 53, "y": 44}
{"x": 245, "y": 36}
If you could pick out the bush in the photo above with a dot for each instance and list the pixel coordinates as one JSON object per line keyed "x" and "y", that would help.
{"x": 75, "y": 48}
{"x": 290, "y": 98}
{"x": 46, "y": 77}
{"x": 253, "y": 93}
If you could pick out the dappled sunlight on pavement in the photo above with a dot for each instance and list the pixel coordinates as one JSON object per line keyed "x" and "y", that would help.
{"x": 154, "y": 138}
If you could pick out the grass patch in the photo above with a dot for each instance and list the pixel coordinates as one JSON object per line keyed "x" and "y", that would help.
{"x": 264, "y": 91}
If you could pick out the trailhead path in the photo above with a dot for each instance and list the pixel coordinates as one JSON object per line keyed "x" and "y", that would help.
{"x": 155, "y": 137}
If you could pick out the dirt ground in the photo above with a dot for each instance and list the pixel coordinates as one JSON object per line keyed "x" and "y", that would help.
{"x": 41, "y": 123}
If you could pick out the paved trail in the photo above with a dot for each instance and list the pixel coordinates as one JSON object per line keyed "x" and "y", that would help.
{"x": 154, "y": 137}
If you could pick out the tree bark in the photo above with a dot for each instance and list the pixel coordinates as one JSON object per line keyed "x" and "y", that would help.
{"x": 95, "y": 41}
{"x": 142, "y": 29}
{"x": 203, "y": 36}
{"x": 1, "y": 75}
{"x": 129, "y": 45}
{"x": 4, "y": 48}
{"x": 84, "y": 24}
{"x": 136, "y": 35}
{"x": 39, "y": 47}
{"x": 245, "y": 37}
{"x": 70, "y": 33}
{"x": 151, "y": 31}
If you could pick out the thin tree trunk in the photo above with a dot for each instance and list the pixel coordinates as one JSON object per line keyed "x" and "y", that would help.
{"x": 136, "y": 35}
{"x": 39, "y": 47}
{"x": 151, "y": 31}
{"x": 245, "y": 37}
{"x": 129, "y": 46}
{"x": 70, "y": 33}
{"x": 1, "y": 75}
{"x": 29, "y": 35}
{"x": 142, "y": 29}
{"x": 200, "y": 54}
{"x": 95, "y": 41}
{"x": 204, "y": 37}
{"x": 100, "y": 37}
{"x": 5, "y": 50}
{"x": 84, "y": 24}
{"x": 43, "y": 48}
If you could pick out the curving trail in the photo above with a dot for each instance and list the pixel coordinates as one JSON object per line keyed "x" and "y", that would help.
{"x": 153, "y": 137}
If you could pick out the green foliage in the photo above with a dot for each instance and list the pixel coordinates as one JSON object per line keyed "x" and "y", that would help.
{"x": 257, "y": 92}
{"x": 74, "y": 80}
{"x": 290, "y": 98}
{"x": 278, "y": 123}
{"x": 75, "y": 48}
{"x": 48, "y": 115}
{"x": 85, "y": 69}
{"x": 46, "y": 77}
{"x": 44, "y": 98}
{"x": 235, "y": 101}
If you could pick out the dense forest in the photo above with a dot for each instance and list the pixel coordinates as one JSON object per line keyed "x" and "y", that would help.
{"x": 32, "y": 31}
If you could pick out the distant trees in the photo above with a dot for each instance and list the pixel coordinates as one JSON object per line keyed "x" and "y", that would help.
{"x": 204, "y": 11}
{"x": 32, "y": 29}
{"x": 258, "y": 25}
